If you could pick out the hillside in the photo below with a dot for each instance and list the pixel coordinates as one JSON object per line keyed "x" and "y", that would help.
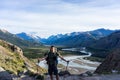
{"x": 13, "y": 61}
{"x": 110, "y": 42}
{"x": 5, "y": 35}
{"x": 111, "y": 63}
{"x": 76, "y": 39}
{"x": 106, "y": 44}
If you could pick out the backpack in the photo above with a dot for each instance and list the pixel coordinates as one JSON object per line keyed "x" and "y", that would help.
{"x": 52, "y": 58}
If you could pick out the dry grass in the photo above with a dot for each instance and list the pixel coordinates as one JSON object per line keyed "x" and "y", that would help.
{"x": 15, "y": 62}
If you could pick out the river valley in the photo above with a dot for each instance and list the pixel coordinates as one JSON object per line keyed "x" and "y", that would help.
{"x": 77, "y": 64}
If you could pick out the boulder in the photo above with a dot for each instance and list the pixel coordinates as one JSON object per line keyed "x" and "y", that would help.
{"x": 63, "y": 73}
{"x": 4, "y": 75}
{"x": 111, "y": 63}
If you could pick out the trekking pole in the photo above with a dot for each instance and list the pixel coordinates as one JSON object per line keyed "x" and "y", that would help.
{"x": 38, "y": 65}
{"x": 67, "y": 66}
{"x": 64, "y": 77}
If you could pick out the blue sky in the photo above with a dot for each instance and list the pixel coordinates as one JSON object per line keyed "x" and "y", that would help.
{"x": 47, "y": 17}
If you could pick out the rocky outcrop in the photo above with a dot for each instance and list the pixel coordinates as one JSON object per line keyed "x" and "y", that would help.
{"x": 13, "y": 61}
{"x": 11, "y": 47}
{"x": 63, "y": 73}
{"x": 4, "y": 75}
{"x": 101, "y": 77}
{"x": 111, "y": 63}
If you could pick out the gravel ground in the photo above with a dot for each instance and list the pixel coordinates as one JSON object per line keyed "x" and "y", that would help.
{"x": 102, "y": 77}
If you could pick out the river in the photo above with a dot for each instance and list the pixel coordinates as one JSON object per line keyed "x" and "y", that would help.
{"x": 77, "y": 63}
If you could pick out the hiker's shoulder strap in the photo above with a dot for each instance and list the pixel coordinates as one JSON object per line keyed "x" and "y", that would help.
{"x": 58, "y": 54}
{"x": 46, "y": 54}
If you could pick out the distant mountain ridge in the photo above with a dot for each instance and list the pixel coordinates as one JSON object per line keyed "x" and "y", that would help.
{"x": 73, "y": 39}
{"x": 28, "y": 37}
{"x": 103, "y": 46}
{"x": 77, "y": 38}
{"x": 12, "y": 38}
{"x": 109, "y": 42}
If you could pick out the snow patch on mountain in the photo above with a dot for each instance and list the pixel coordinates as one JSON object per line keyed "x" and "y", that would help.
{"x": 4, "y": 31}
{"x": 34, "y": 35}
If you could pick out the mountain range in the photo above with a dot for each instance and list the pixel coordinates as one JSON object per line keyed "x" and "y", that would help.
{"x": 94, "y": 39}
{"x": 76, "y": 39}
{"x": 29, "y": 37}
{"x": 73, "y": 39}
{"x": 12, "y": 38}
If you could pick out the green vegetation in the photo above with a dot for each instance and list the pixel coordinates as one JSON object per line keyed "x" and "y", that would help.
{"x": 38, "y": 52}
{"x": 65, "y": 53}
{"x": 34, "y": 53}
{"x": 94, "y": 59}
{"x": 96, "y": 50}
{"x": 13, "y": 61}
{"x": 100, "y": 53}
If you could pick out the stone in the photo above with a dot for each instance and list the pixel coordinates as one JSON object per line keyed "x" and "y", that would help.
{"x": 4, "y": 75}
{"x": 63, "y": 73}
{"x": 112, "y": 62}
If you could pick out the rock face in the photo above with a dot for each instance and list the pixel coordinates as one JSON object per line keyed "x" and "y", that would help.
{"x": 4, "y": 75}
{"x": 12, "y": 47}
{"x": 101, "y": 77}
{"x": 111, "y": 63}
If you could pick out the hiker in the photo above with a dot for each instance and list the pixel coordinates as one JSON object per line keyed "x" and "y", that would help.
{"x": 52, "y": 61}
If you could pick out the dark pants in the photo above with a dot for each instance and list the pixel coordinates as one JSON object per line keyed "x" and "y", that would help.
{"x": 52, "y": 69}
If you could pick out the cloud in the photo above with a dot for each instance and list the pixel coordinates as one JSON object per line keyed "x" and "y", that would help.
{"x": 49, "y": 17}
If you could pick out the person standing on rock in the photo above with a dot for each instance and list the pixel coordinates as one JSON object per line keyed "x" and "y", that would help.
{"x": 52, "y": 61}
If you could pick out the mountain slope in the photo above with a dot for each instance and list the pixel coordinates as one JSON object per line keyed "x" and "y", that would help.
{"x": 29, "y": 37}
{"x": 77, "y": 38}
{"x": 102, "y": 46}
{"x": 111, "y": 63}
{"x": 13, "y": 61}
{"x": 5, "y": 35}
{"x": 109, "y": 42}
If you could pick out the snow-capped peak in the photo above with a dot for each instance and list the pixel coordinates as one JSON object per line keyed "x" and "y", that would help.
{"x": 4, "y": 31}
{"x": 33, "y": 35}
